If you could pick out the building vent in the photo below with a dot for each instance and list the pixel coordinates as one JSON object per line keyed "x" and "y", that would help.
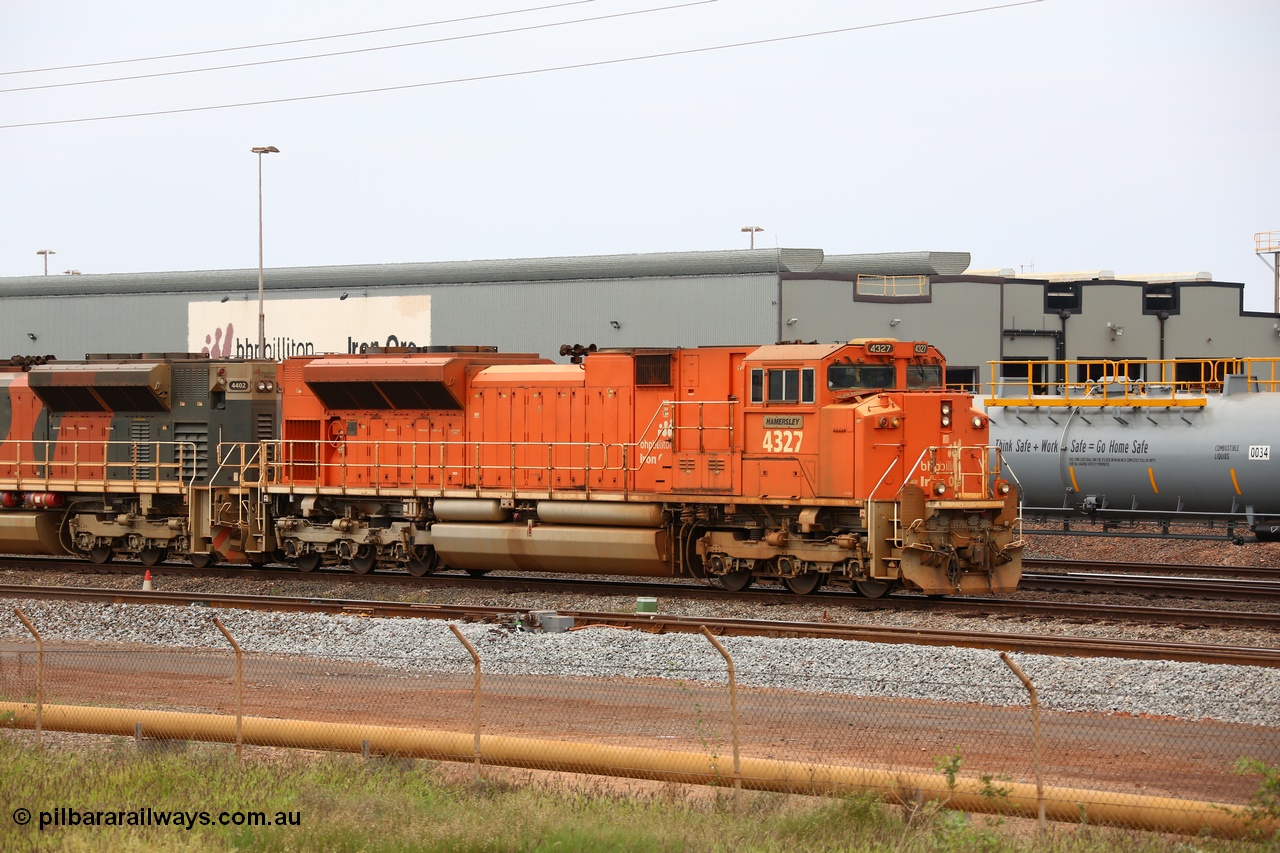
{"x": 1160, "y": 298}
{"x": 1062, "y": 296}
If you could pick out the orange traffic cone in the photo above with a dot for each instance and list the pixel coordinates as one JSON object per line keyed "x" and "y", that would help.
{"x": 146, "y": 581}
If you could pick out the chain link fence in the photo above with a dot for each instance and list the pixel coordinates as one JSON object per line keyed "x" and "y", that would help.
{"x": 686, "y": 718}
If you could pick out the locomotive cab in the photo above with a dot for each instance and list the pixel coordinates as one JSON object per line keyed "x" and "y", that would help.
{"x": 898, "y": 468}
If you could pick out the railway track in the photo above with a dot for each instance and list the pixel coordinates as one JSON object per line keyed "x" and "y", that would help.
{"x": 661, "y": 623}
{"x": 1057, "y": 565}
{"x": 1166, "y": 585}
{"x": 762, "y": 596}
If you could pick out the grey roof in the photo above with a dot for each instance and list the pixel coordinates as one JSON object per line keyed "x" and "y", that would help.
{"x": 659, "y": 264}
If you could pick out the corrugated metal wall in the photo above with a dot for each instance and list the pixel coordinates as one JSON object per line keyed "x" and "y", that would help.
{"x": 736, "y": 297}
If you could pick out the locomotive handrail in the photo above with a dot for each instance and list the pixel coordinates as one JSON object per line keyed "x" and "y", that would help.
{"x": 896, "y": 461}
{"x": 281, "y": 468}
{"x": 992, "y": 466}
{"x": 244, "y": 459}
{"x": 1123, "y": 382}
{"x": 676, "y": 427}
{"x": 35, "y": 468}
{"x": 314, "y": 460}
{"x": 954, "y": 474}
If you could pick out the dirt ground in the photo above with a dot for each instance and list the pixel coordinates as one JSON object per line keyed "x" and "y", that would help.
{"x": 1155, "y": 756}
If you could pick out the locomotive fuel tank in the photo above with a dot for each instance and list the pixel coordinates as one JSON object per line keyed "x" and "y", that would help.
{"x": 30, "y": 533}
{"x": 1219, "y": 458}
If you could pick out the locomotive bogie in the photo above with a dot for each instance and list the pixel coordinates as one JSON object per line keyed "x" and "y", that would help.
{"x": 781, "y": 557}
{"x": 127, "y": 533}
{"x": 350, "y": 541}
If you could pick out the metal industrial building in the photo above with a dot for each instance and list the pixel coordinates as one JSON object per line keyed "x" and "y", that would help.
{"x": 663, "y": 299}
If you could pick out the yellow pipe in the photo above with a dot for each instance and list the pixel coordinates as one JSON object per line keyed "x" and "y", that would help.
{"x": 1162, "y": 814}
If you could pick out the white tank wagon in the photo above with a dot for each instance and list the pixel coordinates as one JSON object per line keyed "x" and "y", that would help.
{"x": 1120, "y": 446}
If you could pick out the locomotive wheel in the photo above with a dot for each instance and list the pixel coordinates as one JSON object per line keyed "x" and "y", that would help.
{"x": 425, "y": 566}
{"x": 204, "y": 561}
{"x": 872, "y": 589}
{"x": 363, "y": 565}
{"x": 308, "y": 562}
{"x": 803, "y": 584}
{"x": 152, "y": 556}
{"x": 735, "y": 581}
{"x": 100, "y": 555}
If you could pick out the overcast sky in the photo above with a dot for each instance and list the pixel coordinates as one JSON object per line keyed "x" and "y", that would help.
{"x": 1132, "y": 135}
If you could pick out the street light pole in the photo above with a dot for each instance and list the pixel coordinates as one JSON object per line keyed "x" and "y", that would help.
{"x": 753, "y": 230}
{"x": 46, "y": 253}
{"x": 262, "y": 317}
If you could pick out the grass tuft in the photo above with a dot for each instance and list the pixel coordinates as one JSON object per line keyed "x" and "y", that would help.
{"x": 389, "y": 804}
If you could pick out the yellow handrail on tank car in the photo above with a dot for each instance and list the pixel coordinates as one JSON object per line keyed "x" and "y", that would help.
{"x": 1123, "y": 382}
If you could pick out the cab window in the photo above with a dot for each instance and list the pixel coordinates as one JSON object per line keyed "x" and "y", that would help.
{"x": 845, "y": 376}
{"x": 783, "y": 385}
{"x": 921, "y": 376}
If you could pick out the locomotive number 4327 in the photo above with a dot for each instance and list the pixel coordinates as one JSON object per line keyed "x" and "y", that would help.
{"x": 783, "y": 440}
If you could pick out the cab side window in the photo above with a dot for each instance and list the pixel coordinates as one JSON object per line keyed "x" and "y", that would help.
{"x": 784, "y": 385}
{"x": 757, "y": 386}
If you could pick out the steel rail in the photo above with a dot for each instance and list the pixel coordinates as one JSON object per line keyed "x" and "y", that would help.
{"x": 761, "y": 596}
{"x": 1173, "y": 585}
{"x": 1044, "y": 563}
{"x": 661, "y": 623}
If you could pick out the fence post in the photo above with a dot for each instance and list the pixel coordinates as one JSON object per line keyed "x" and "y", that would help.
{"x": 239, "y": 686}
{"x": 475, "y": 693}
{"x": 1035, "y": 731}
{"x": 733, "y": 715}
{"x": 39, "y": 676}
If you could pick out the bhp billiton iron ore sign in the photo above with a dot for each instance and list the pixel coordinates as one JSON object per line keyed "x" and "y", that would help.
{"x": 308, "y": 326}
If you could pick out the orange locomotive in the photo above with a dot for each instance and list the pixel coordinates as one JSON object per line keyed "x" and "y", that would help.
{"x": 847, "y": 464}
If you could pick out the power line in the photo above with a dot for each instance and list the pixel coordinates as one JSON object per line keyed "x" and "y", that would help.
{"x": 354, "y": 51}
{"x": 295, "y": 41}
{"x": 530, "y": 71}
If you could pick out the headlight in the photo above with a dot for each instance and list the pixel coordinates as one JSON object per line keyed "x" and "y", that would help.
{"x": 939, "y": 488}
{"x": 979, "y": 422}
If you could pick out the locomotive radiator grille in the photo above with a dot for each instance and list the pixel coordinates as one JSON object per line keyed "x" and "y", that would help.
{"x": 143, "y": 456}
{"x": 193, "y": 447}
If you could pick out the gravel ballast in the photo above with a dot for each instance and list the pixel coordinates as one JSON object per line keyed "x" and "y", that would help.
{"x": 1249, "y": 695}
